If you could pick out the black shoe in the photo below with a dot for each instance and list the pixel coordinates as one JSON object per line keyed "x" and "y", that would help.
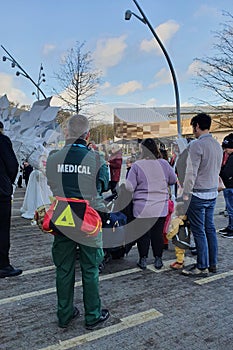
{"x": 223, "y": 231}
{"x": 158, "y": 263}
{"x": 76, "y": 313}
{"x": 9, "y": 271}
{"x": 229, "y": 234}
{"x": 142, "y": 263}
{"x": 213, "y": 269}
{"x": 104, "y": 316}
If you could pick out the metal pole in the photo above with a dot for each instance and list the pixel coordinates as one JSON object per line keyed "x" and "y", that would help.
{"x": 170, "y": 66}
{"x": 25, "y": 73}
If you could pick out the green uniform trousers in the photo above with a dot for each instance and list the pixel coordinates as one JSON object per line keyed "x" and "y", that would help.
{"x": 64, "y": 252}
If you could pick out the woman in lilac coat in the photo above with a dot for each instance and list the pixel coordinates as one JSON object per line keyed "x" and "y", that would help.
{"x": 149, "y": 179}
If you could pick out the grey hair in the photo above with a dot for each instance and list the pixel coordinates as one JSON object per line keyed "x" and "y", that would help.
{"x": 78, "y": 126}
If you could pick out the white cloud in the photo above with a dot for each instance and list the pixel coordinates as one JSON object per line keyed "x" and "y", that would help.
{"x": 105, "y": 86}
{"x": 163, "y": 77}
{"x": 165, "y": 32}
{"x": 48, "y": 48}
{"x": 205, "y": 10}
{"x": 194, "y": 67}
{"x": 13, "y": 94}
{"x": 109, "y": 52}
{"x": 128, "y": 87}
{"x": 105, "y": 111}
{"x": 186, "y": 104}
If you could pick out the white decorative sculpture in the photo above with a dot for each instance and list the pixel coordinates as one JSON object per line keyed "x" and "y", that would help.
{"x": 28, "y": 131}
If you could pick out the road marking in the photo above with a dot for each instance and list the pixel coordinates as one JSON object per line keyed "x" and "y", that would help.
{"x": 214, "y": 278}
{"x": 166, "y": 265}
{"x": 53, "y": 290}
{"x": 16, "y": 217}
{"x": 79, "y": 283}
{"x": 39, "y": 269}
{"x": 126, "y": 322}
{"x": 14, "y": 226}
{"x": 37, "y": 293}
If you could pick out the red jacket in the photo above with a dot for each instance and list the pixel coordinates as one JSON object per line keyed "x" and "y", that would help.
{"x": 115, "y": 162}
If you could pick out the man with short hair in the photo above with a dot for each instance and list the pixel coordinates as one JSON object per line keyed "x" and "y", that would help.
{"x": 8, "y": 172}
{"x": 77, "y": 172}
{"x": 227, "y": 177}
{"x": 201, "y": 187}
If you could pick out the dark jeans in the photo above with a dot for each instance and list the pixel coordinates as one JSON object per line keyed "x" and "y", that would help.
{"x": 201, "y": 217}
{"x": 5, "y": 219}
{"x": 228, "y": 195}
{"x": 153, "y": 235}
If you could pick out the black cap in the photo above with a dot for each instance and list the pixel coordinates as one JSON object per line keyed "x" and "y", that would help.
{"x": 228, "y": 141}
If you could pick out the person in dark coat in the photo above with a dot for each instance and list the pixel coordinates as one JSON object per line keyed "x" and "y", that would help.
{"x": 27, "y": 169}
{"x": 8, "y": 172}
{"x": 226, "y": 174}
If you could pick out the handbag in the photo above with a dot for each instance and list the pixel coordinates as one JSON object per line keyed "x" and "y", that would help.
{"x": 69, "y": 215}
{"x": 39, "y": 216}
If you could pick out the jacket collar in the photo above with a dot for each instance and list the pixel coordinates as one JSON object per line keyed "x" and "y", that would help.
{"x": 77, "y": 141}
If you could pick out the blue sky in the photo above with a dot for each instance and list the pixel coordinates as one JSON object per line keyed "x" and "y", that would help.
{"x": 135, "y": 70}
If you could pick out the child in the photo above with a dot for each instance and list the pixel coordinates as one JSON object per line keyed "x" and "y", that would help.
{"x": 180, "y": 234}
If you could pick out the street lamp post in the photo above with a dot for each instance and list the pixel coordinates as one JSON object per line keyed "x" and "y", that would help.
{"x": 14, "y": 64}
{"x": 144, "y": 19}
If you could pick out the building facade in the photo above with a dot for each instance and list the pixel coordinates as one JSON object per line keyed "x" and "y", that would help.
{"x": 161, "y": 122}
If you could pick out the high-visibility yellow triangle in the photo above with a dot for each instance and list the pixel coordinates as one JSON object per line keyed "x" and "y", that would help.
{"x": 66, "y": 218}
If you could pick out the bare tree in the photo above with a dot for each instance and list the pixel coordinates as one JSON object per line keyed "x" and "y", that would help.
{"x": 102, "y": 132}
{"x": 216, "y": 73}
{"x": 77, "y": 79}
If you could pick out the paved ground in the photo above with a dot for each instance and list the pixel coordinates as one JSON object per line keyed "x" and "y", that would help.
{"x": 149, "y": 310}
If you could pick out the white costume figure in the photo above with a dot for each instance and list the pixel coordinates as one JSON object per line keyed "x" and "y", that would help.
{"x": 37, "y": 191}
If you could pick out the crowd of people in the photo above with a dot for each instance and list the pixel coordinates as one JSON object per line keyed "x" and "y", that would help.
{"x": 81, "y": 170}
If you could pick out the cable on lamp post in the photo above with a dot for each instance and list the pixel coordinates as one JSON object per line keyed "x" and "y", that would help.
{"x": 14, "y": 64}
{"x": 144, "y": 19}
